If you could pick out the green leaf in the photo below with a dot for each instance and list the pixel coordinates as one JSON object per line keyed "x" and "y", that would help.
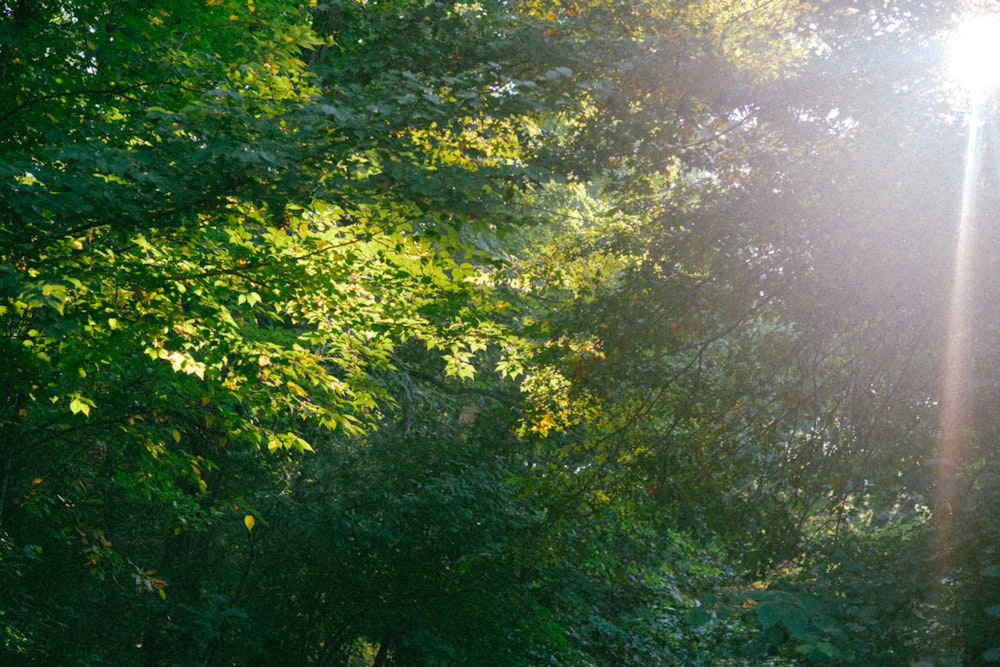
{"x": 697, "y": 616}
{"x": 769, "y": 614}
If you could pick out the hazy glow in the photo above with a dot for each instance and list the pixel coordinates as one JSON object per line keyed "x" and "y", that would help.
{"x": 974, "y": 55}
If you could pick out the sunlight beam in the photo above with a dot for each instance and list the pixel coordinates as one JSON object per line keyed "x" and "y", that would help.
{"x": 956, "y": 360}
{"x": 954, "y": 425}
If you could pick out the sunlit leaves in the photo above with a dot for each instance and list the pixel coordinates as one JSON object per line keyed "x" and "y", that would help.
{"x": 553, "y": 404}
{"x": 80, "y": 405}
{"x": 287, "y": 441}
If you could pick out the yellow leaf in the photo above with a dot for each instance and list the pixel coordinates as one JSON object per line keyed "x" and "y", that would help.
{"x": 177, "y": 435}
{"x": 296, "y": 389}
{"x": 249, "y": 521}
{"x": 77, "y": 406}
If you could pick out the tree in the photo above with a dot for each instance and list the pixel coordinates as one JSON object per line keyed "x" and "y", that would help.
{"x": 209, "y": 251}
{"x": 430, "y": 333}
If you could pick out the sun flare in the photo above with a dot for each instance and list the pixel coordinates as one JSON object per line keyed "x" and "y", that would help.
{"x": 974, "y": 55}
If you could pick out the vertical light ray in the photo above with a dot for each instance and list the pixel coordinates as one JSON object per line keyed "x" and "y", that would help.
{"x": 954, "y": 420}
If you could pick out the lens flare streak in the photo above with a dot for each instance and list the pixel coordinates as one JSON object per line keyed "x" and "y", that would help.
{"x": 954, "y": 418}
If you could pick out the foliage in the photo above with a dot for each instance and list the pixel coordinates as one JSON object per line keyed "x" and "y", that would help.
{"x": 411, "y": 332}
